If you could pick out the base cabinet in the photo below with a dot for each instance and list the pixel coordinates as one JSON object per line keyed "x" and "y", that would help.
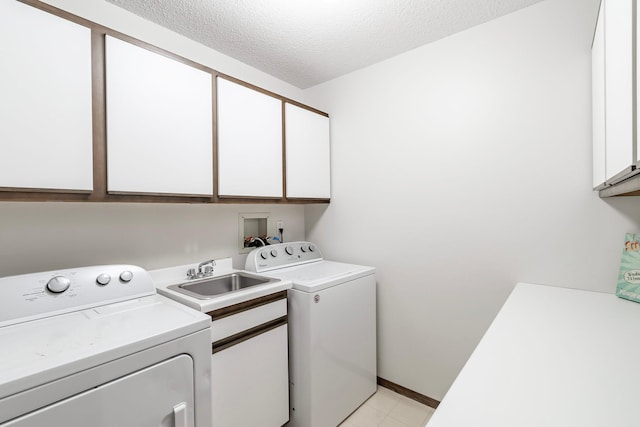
{"x": 250, "y": 363}
{"x": 249, "y": 382}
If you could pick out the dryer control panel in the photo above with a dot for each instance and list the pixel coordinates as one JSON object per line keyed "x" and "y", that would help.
{"x": 282, "y": 255}
{"x": 37, "y": 295}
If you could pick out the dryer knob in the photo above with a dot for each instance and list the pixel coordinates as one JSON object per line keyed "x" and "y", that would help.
{"x": 126, "y": 276}
{"x": 303, "y": 249}
{"x": 264, "y": 255}
{"x": 274, "y": 253}
{"x": 103, "y": 279}
{"x": 58, "y": 284}
{"x": 311, "y": 248}
{"x": 289, "y": 250}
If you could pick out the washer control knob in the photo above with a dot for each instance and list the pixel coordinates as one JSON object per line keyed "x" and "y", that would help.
{"x": 126, "y": 276}
{"x": 264, "y": 255}
{"x": 311, "y": 248}
{"x": 274, "y": 253}
{"x": 289, "y": 250}
{"x": 103, "y": 279}
{"x": 58, "y": 284}
{"x": 303, "y": 249}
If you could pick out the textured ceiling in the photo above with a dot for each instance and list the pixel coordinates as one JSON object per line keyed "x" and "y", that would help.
{"x": 307, "y": 42}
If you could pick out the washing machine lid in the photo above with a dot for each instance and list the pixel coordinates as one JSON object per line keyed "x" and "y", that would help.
{"x": 47, "y": 349}
{"x": 316, "y": 276}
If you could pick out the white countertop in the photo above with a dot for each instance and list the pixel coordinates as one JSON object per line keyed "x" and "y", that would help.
{"x": 177, "y": 275}
{"x": 553, "y": 357}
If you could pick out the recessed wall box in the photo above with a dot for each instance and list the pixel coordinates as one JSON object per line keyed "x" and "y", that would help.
{"x": 255, "y": 224}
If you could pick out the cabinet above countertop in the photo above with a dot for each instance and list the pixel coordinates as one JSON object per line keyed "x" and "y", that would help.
{"x": 155, "y": 125}
{"x": 614, "y": 100}
{"x": 45, "y": 106}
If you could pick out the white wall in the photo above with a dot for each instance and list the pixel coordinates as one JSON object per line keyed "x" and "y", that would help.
{"x": 43, "y": 236}
{"x": 48, "y": 236}
{"x": 461, "y": 168}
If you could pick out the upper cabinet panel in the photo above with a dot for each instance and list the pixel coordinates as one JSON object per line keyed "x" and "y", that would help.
{"x": 598, "y": 110}
{"x": 159, "y": 123}
{"x": 45, "y": 101}
{"x": 249, "y": 142}
{"x": 637, "y": 77}
{"x": 307, "y": 153}
{"x": 618, "y": 39}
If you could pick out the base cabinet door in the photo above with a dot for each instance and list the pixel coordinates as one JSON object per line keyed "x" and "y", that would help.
{"x": 249, "y": 384}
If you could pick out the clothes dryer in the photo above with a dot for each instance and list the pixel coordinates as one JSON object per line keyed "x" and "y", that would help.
{"x": 96, "y": 346}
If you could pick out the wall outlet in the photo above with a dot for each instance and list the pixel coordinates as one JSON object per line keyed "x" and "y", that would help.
{"x": 279, "y": 224}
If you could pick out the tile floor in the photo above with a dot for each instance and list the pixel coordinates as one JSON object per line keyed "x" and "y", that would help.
{"x": 389, "y": 409}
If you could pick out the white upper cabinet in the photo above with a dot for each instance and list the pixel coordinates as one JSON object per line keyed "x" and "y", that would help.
{"x": 159, "y": 123}
{"x": 637, "y": 76}
{"x": 249, "y": 142}
{"x": 45, "y": 101}
{"x": 598, "y": 110}
{"x": 618, "y": 36}
{"x": 612, "y": 92}
{"x": 307, "y": 141}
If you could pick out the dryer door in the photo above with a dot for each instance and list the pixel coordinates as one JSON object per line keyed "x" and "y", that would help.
{"x": 160, "y": 395}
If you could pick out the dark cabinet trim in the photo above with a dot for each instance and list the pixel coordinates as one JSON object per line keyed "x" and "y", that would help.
{"x": 246, "y": 305}
{"x": 241, "y": 307}
{"x": 240, "y": 337}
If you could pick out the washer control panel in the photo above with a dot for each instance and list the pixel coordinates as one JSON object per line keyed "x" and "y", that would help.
{"x": 282, "y": 255}
{"x": 37, "y": 295}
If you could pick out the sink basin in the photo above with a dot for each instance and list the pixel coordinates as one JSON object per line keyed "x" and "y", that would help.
{"x": 212, "y": 287}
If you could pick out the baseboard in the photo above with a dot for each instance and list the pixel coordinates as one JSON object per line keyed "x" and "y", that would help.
{"x": 414, "y": 395}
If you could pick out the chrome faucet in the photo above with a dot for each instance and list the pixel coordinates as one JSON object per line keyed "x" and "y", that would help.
{"x": 205, "y": 269}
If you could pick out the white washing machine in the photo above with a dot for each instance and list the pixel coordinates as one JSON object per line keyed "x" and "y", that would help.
{"x": 96, "y": 346}
{"x": 332, "y": 331}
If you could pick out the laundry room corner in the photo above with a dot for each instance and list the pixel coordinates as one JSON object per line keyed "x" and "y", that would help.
{"x": 460, "y": 168}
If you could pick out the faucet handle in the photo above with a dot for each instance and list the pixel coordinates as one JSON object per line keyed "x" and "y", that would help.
{"x": 191, "y": 273}
{"x": 208, "y": 270}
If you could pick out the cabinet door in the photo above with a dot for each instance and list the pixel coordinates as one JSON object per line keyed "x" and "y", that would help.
{"x": 637, "y": 77}
{"x": 249, "y": 142}
{"x": 618, "y": 35}
{"x": 159, "y": 123}
{"x": 307, "y": 150}
{"x": 598, "y": 99}
{"x": 45, "y": 106}
{"x": 250, "y": 382}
